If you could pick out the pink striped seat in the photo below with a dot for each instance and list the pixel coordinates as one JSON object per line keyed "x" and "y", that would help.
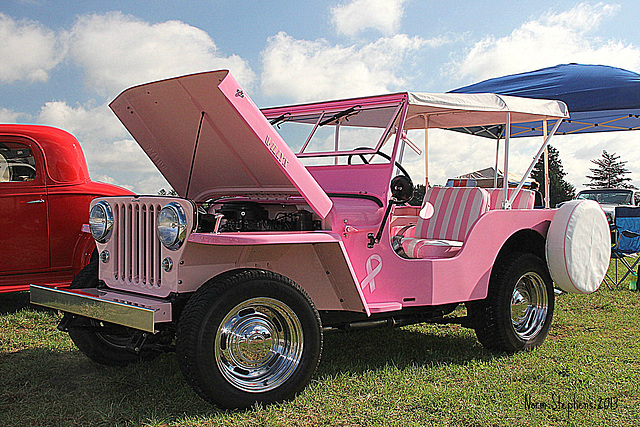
{"x": 402, "y": 216}
{"x": 426, "y": 248}
{"x": 455, "y": 210}
{"x": 524, "y": 200}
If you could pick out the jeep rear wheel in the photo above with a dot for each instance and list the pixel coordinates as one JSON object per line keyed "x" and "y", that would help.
{"x": 518, "y": 310}
{"x": 103, "y": 342}
{"x": 251, "y": 337}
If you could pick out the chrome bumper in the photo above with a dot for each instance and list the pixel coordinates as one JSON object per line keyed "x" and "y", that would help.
{"x": 134, "y": 311}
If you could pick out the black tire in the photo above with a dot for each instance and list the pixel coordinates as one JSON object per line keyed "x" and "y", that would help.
{"x": 108, "y": 347}
{"x": 518, "y": 310}
{"x": 249, "y": 337}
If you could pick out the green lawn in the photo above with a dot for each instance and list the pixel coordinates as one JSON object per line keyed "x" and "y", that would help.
{"x": 586, "y": 373}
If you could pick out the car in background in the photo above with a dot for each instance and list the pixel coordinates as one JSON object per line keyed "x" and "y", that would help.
{"x": 45, "y": 191}
{"x": 609, "y": 198}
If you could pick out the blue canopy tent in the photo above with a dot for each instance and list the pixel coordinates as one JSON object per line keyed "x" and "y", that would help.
{"x": 600, "y": 98}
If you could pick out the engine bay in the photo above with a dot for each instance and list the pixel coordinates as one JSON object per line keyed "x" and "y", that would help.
{"x": 251, "y": 216}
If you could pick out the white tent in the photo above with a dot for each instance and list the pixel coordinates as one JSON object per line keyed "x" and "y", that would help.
{"x": 486, "y": 178}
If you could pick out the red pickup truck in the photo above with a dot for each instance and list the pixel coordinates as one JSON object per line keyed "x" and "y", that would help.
{"x": 45, "y": 191}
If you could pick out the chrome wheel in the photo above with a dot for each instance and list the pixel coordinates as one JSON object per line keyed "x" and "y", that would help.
{"x": 529, "y": 305}
{"x": 517, "y": 313}
{"x": 259, "y": 344}
{"x": 247, "y": 337}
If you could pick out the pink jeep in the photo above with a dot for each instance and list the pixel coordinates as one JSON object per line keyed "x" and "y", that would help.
{"x": 267, "y": 247}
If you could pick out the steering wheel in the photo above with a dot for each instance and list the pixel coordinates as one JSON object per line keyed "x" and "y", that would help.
{"x": 377, "y": 153}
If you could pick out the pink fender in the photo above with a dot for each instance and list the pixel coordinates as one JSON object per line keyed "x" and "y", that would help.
{"x": 389, "y": 282}
{"x": 314, "y": 260}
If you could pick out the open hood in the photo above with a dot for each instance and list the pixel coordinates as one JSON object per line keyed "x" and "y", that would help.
{"x": 206, "y": 120}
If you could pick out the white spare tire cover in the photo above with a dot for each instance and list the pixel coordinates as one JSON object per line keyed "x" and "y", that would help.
{"x": 578, "y": 246}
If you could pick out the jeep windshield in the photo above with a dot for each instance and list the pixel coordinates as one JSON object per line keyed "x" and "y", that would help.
{"x": 341, "y": 134}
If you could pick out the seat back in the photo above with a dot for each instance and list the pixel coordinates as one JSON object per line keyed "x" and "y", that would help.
{"x": 456, "y": 209}
{"x": 462, "y": 182}
{"x": 4, "y": 169}
{"x": 628, "y": 220}
{"x": 524, "y": 200}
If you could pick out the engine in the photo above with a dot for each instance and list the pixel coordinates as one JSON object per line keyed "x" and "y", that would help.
{"x": 250, "y": 216}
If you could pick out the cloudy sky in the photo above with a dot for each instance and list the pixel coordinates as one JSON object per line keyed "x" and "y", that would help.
{"x": 62, "y": 62}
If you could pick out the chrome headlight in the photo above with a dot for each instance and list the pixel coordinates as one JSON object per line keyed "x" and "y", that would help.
{"x": 101, "y": 221}
{"x": 172, "y": 226}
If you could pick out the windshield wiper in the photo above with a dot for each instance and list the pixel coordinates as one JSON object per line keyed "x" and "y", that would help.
{"x": 346, "y": 114}
{"x": 277, "y": 120}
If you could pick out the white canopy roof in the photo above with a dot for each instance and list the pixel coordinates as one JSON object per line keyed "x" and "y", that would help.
{"x": 444, "y": 110}
{"x": 455, "y": 110}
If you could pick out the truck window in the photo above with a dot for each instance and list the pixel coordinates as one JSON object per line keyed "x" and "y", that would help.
{"x": 17, "y": 163}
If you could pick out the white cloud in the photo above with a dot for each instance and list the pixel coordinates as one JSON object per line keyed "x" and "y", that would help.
{"x": 304, "y": 70}
{"x": 111, "y": 156}
{"x": 452, "y": 154}
{"x": 554, "y": 38}
{"x": 84, "y": 121}
{"x": 8, "y": 116}
{"x": 117, "y": 51}
{"x": 577, "y": 151}
{"x": 582, "y": 17}
{"x": 114, "y": 51}
{"x": 359, "y": 15}
{"x": 28, "y": 51}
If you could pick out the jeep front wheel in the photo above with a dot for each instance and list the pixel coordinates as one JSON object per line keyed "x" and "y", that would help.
{"x": 251, "y": 337}
{"x": 518, "y": 310}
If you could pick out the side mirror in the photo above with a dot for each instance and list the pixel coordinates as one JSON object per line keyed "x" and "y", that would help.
{"x": 401, "y": 189}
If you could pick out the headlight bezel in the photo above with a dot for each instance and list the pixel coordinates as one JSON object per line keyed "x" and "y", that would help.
{"x": 178, "y": 230}
{"x": 104, "y": 221}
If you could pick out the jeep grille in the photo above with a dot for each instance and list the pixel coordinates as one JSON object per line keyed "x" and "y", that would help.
{"x": 136, "y": 248}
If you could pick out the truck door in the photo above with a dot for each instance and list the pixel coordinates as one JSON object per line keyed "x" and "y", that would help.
{"x": 24, "y": 224}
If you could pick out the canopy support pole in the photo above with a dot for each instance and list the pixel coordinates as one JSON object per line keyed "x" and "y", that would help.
{"x": 506, "y": 204}
{"x": 535, "y": 159}
{"x": 336, "y": 139}
{"x": 495, "y": 168}
{"x": 546, "y": 166}
{"x": 426, "y": 151}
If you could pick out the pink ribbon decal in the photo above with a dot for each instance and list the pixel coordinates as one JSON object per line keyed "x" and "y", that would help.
{"x": 372, "y": 272}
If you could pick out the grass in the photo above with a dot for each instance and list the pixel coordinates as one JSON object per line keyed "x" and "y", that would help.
{"x": 586, "y": 374}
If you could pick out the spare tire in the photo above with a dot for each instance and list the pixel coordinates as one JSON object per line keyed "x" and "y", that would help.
{"x": 578, "y": 247}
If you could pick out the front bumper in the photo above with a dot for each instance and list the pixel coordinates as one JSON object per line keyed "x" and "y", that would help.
{"x": 120, "y": 308}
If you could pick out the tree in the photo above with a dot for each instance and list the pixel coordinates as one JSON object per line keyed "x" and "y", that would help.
{"x": 559, "y": 189}
{"x": 419, "y": 191}
{"x": 610, "y": 172}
